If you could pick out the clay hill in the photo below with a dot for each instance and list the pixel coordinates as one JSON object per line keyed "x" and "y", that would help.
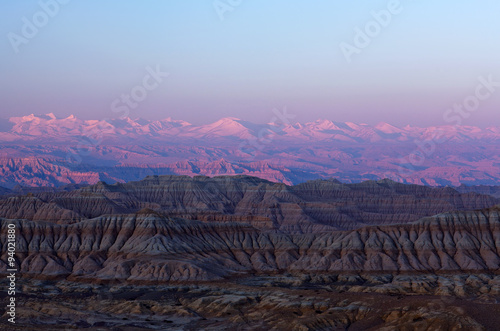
{"x": 314, "y": 206}
{"x": 148, "y": 247}
{"x": 244, "y": 253}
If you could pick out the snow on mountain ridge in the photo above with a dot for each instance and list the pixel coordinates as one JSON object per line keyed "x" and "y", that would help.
{"x": 227, "y": 126}
{"x": 31, "y": 126}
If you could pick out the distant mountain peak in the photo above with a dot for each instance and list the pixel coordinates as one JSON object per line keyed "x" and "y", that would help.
{"x": 229, "y": 119}
{"x": 227, "y": 126}
{"x": 70, "y": 128}
{"x": 28, "y": 118}
{"x": 387, "y": 128}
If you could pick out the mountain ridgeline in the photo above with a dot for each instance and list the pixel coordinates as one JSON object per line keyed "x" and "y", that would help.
{"x": 48, "y": 151}
{"x": 177, "y": 228}
{"x": 314, "y": 206}
{"x": 182, "y": 228}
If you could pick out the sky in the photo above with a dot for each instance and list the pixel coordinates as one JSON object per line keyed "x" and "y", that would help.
{"x": 402, "y": 62}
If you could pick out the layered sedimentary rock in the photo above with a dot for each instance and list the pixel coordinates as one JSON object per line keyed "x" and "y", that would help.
{"x": 482, "y": 189}
{"x": 244, "y": 253}
{"x": 315, "y": 206}
{"x": 149, "y": 247}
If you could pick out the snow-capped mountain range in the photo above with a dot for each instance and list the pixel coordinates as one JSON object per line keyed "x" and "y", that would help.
{"x": 45, "y": 150}
{"x": 50, "y": 127}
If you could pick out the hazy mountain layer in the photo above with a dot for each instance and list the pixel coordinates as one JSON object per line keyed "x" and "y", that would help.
{"x": 47, "y": 151}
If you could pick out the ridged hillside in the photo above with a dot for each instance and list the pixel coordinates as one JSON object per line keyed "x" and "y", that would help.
{"x": 311, "y": 207}
{"x": 149, "y": 247}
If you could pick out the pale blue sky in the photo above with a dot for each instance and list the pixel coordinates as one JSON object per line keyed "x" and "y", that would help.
{"x": 264, "y": 54}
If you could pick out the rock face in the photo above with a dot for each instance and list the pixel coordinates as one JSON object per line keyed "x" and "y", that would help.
{"x": 244, "y": 253}
{"x": 45, "y": 171}
{"x": 310, "y": 207}
{"x": 148, "y": 247}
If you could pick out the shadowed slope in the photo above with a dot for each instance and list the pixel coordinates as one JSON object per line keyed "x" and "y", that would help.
{"x": 147, "y": 246}
{"x": 310, "y": 207}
